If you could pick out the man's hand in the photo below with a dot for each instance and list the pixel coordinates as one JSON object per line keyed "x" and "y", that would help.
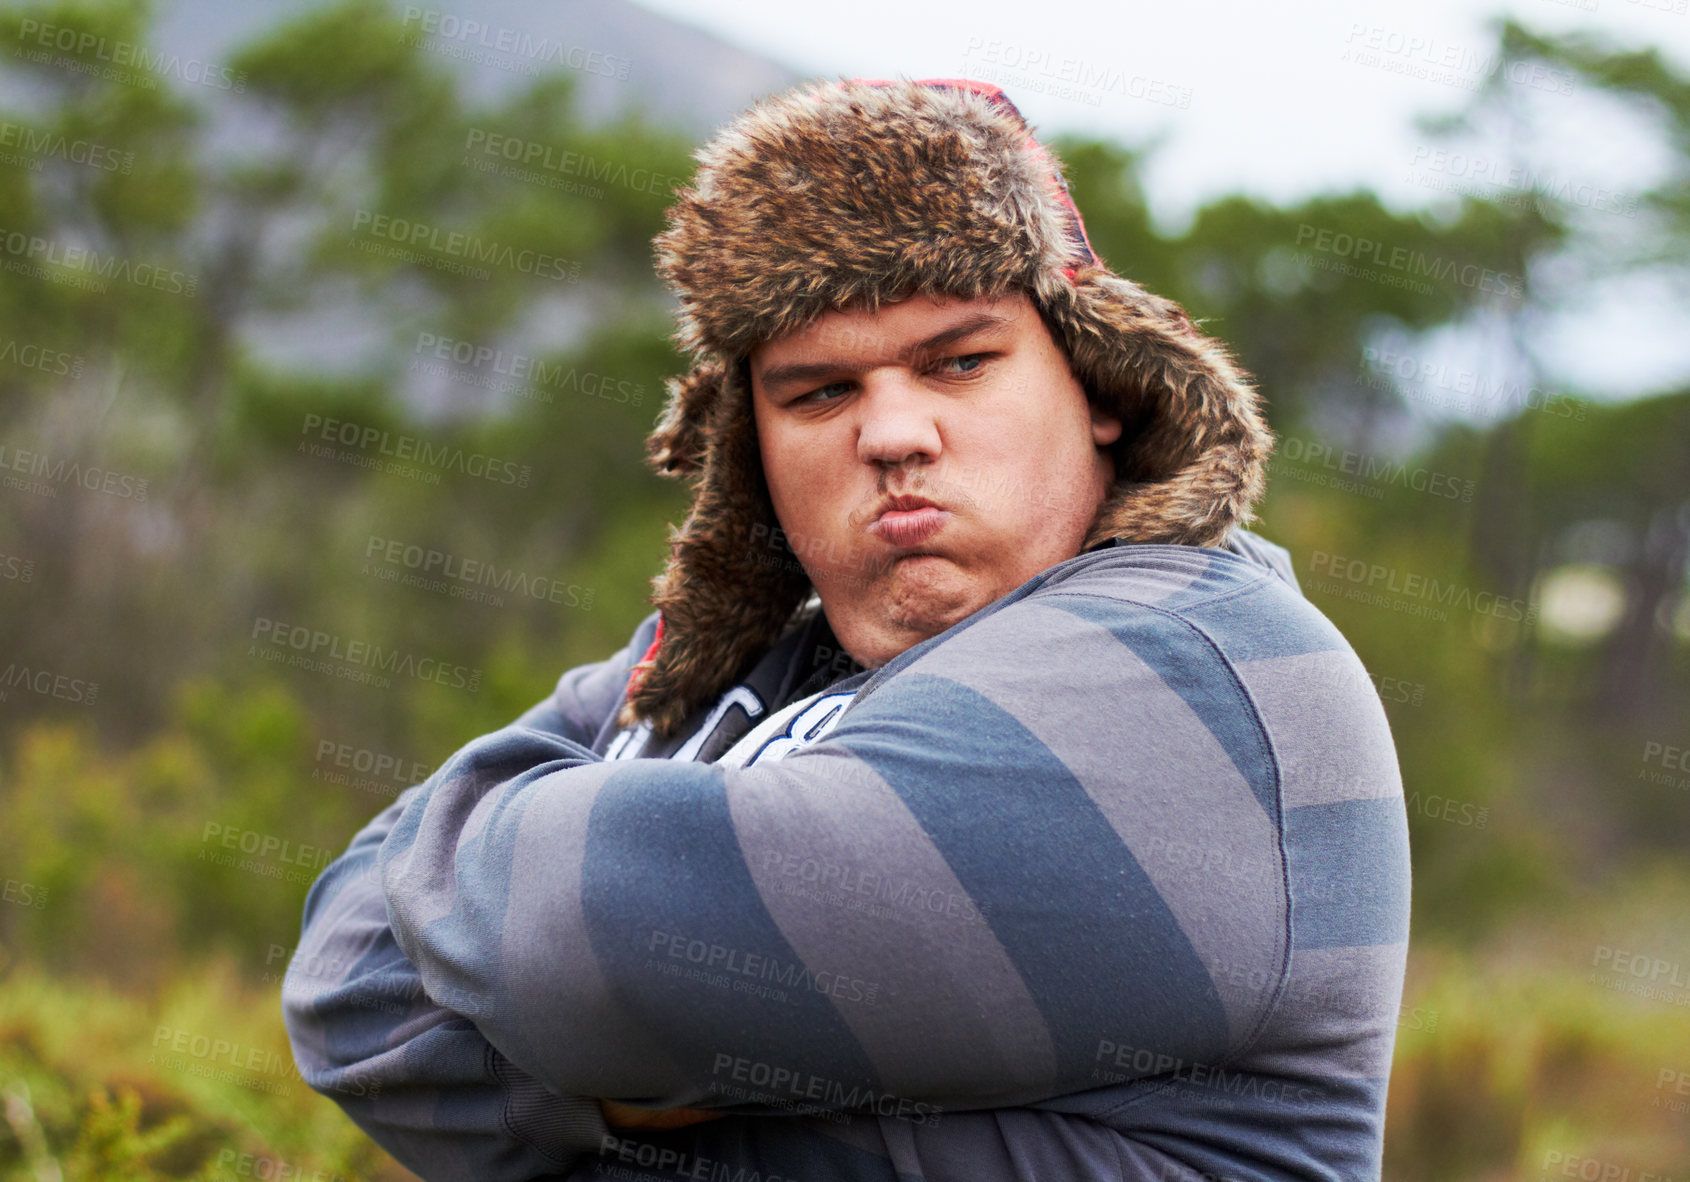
{"x": 626, "y": 1116}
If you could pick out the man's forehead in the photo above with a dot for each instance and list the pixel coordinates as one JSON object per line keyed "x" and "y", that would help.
{"x": 859, "y": 333}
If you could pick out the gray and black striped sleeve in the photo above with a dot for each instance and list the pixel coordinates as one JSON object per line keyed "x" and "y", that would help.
{"x": 419, "y": 1078}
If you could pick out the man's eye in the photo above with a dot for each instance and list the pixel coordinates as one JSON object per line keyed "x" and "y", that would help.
{"x": 816, "y": 394}
{"x": 963, "y": 363}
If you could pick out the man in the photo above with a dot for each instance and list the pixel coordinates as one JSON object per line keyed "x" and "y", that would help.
{"x": 982, "y": 802}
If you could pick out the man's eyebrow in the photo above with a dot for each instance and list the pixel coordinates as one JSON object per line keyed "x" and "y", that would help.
{"x": 785, "y": 375}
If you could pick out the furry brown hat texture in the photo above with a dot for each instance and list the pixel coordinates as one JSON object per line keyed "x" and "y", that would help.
{"x": 853, "y": 194}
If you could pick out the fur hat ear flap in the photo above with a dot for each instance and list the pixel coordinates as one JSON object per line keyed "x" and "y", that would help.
{"x": 1193, "y": 452}
{"x": 675, "y": 446}
{"x": 732, "y": 583}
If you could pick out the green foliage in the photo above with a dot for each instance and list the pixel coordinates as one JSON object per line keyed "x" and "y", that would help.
{"x": 100, "y": 1086}
{"x": 1529, "y": 1049}
{"x": 164, "y": 387}
{"x": 205, "y": 837}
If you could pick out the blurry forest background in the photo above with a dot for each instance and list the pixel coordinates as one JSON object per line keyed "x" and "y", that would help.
{"x": 274, "y": 328}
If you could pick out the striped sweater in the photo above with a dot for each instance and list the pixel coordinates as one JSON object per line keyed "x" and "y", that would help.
{"x": 1109, "y": 880}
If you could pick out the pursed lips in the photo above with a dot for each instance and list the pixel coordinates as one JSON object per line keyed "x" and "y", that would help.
{"x": 905, "y": 521}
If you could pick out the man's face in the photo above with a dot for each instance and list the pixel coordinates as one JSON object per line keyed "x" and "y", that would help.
{"x": 966, "y": 406}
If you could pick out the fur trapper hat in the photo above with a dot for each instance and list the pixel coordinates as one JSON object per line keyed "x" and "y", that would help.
{"x": 859, "y": 193}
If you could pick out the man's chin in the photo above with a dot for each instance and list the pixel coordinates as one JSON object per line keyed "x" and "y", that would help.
{"x": 928, "y": 594}
{"x": 917, "y": 597}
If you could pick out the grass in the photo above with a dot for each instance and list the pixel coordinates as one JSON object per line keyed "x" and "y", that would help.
{"x": 196, "y": 1082}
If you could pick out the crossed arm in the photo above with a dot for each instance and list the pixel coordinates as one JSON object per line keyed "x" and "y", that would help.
{"x": 938, "y": 906}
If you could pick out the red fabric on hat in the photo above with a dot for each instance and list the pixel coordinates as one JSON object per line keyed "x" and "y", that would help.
{"x": 638, "y": 674}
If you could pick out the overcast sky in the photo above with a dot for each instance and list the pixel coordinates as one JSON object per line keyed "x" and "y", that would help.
{"x": 1280, "y": 100}
{"x": 1251, "y": 96}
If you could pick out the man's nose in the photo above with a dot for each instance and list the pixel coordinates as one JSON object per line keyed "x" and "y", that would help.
{"x": 898, "y": 420}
